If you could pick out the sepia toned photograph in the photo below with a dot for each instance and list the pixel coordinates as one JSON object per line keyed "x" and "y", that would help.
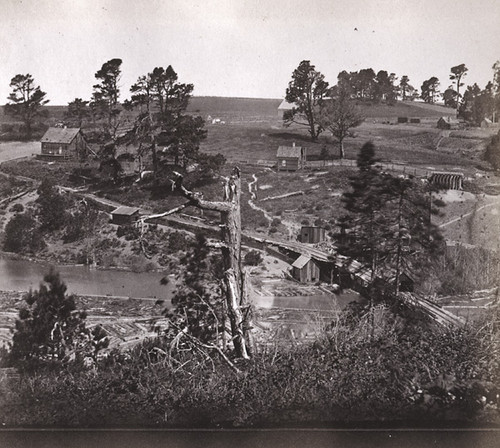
{"x": 254, "y": 222}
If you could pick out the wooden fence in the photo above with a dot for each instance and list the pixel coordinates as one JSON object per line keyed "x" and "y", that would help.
{"x": 311, "y": 164}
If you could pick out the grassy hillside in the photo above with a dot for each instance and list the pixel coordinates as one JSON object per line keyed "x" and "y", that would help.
{"x": 221, "y": 106}
{"x": 265, "y": 108}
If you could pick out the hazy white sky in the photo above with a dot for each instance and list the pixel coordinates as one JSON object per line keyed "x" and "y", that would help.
{"x": 246, "y": 48}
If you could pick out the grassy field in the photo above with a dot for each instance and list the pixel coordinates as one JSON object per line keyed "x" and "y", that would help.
{"x": 253, "y": 131}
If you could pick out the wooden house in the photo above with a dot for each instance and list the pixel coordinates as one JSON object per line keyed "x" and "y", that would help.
{"x": 124, "y": 215}
{"x": 306, "y": 269}
{"x": 63, "y": 143}
{"x": 312, "y": 234}
{"x": 291, "y": 158}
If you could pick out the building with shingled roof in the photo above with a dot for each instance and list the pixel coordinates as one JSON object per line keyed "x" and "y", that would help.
{"x": 124, "y": 215}
{"x": 63, "y": 143}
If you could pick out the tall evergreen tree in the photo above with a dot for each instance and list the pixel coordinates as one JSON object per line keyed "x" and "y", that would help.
{"x": 457, "y": 73}
{"x": 25, "y": 100}
{"x": 430, "y": 90}
{"x": 388, "y": 221}
{"x": 162, "y": 120}
{"x": 404, "y": 84}
{"x": 104, "y": 102}
{"x": 366, "y": 223}
{"x": 415, "y": 240}
{"x": 306, "y": 91}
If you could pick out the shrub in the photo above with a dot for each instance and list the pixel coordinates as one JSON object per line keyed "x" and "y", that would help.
{"x": 177, "y": 241}
{"x": 492, "y": 153}
{"x": 52, "y": 206}
{"x": 17, "y": 208}
{"x": 22, "y": 235}
{"x": 252, "y": 258}
{"x": 275, "y": 222}
{"x": 406, "y": 371}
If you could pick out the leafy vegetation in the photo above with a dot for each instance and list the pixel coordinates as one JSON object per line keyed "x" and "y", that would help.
{"x": 198, "y": 301}
{"x": 49, "y": 328}
{"x": 26, "y": 101}
{"x": 388, "y": 223}
{"x": 339, "y": 115}
{"x": 409, "y": 372}
{"x": 366, "y": 365}
{"x": 306, "y": 92}
{"x": 52, "y": 207}
{"x": 492, "y": 153}
{"x": 22, "y": 235}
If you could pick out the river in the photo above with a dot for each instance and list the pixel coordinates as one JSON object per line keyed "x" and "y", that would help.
{"x": 22, "y": 275}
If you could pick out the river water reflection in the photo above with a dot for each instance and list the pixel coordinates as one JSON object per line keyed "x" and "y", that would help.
{"x": 21, "y": 275}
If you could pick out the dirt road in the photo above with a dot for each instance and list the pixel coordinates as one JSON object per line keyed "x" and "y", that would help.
{"x": 16, "y": 150}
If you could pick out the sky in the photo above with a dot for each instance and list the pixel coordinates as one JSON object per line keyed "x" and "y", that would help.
{"x": 242, "y": 48}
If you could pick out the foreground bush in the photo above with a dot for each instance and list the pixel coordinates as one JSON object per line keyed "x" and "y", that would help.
{"x": 406, "y": 373}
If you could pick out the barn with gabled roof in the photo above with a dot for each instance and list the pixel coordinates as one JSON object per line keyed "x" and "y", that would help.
{"x": 63, "y": 143}
{"x": 284, "y": 107}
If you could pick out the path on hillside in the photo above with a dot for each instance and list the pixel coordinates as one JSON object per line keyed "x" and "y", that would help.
{"x": 292, "y": 227}
{"x": 466, "y": 215}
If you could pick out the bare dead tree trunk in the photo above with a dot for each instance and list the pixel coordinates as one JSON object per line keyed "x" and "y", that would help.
{"x": 238, "y": 310}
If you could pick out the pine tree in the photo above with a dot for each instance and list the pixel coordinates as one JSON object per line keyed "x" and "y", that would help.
{"x": 49, "y": 326}
{"x": 366, "y": 223}
{"x": 389, "y": 222}
{"x": 415, "y": 239}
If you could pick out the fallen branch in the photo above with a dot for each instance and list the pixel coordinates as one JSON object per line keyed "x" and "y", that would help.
{"x": 13, "y": 198}
{"x": 282, "y": 196}
{"x": 142, "y": 219}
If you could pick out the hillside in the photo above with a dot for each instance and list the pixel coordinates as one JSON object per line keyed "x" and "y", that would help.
{"x": 265, "y": 108}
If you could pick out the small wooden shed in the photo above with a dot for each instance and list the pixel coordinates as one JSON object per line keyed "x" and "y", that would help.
{"x": 312, "y": 234}
{"x": 63, "y": 143}
{"x": 291, "y": 158}
{"x": 305, "y": 269}
{"x": 124, "y": 215}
